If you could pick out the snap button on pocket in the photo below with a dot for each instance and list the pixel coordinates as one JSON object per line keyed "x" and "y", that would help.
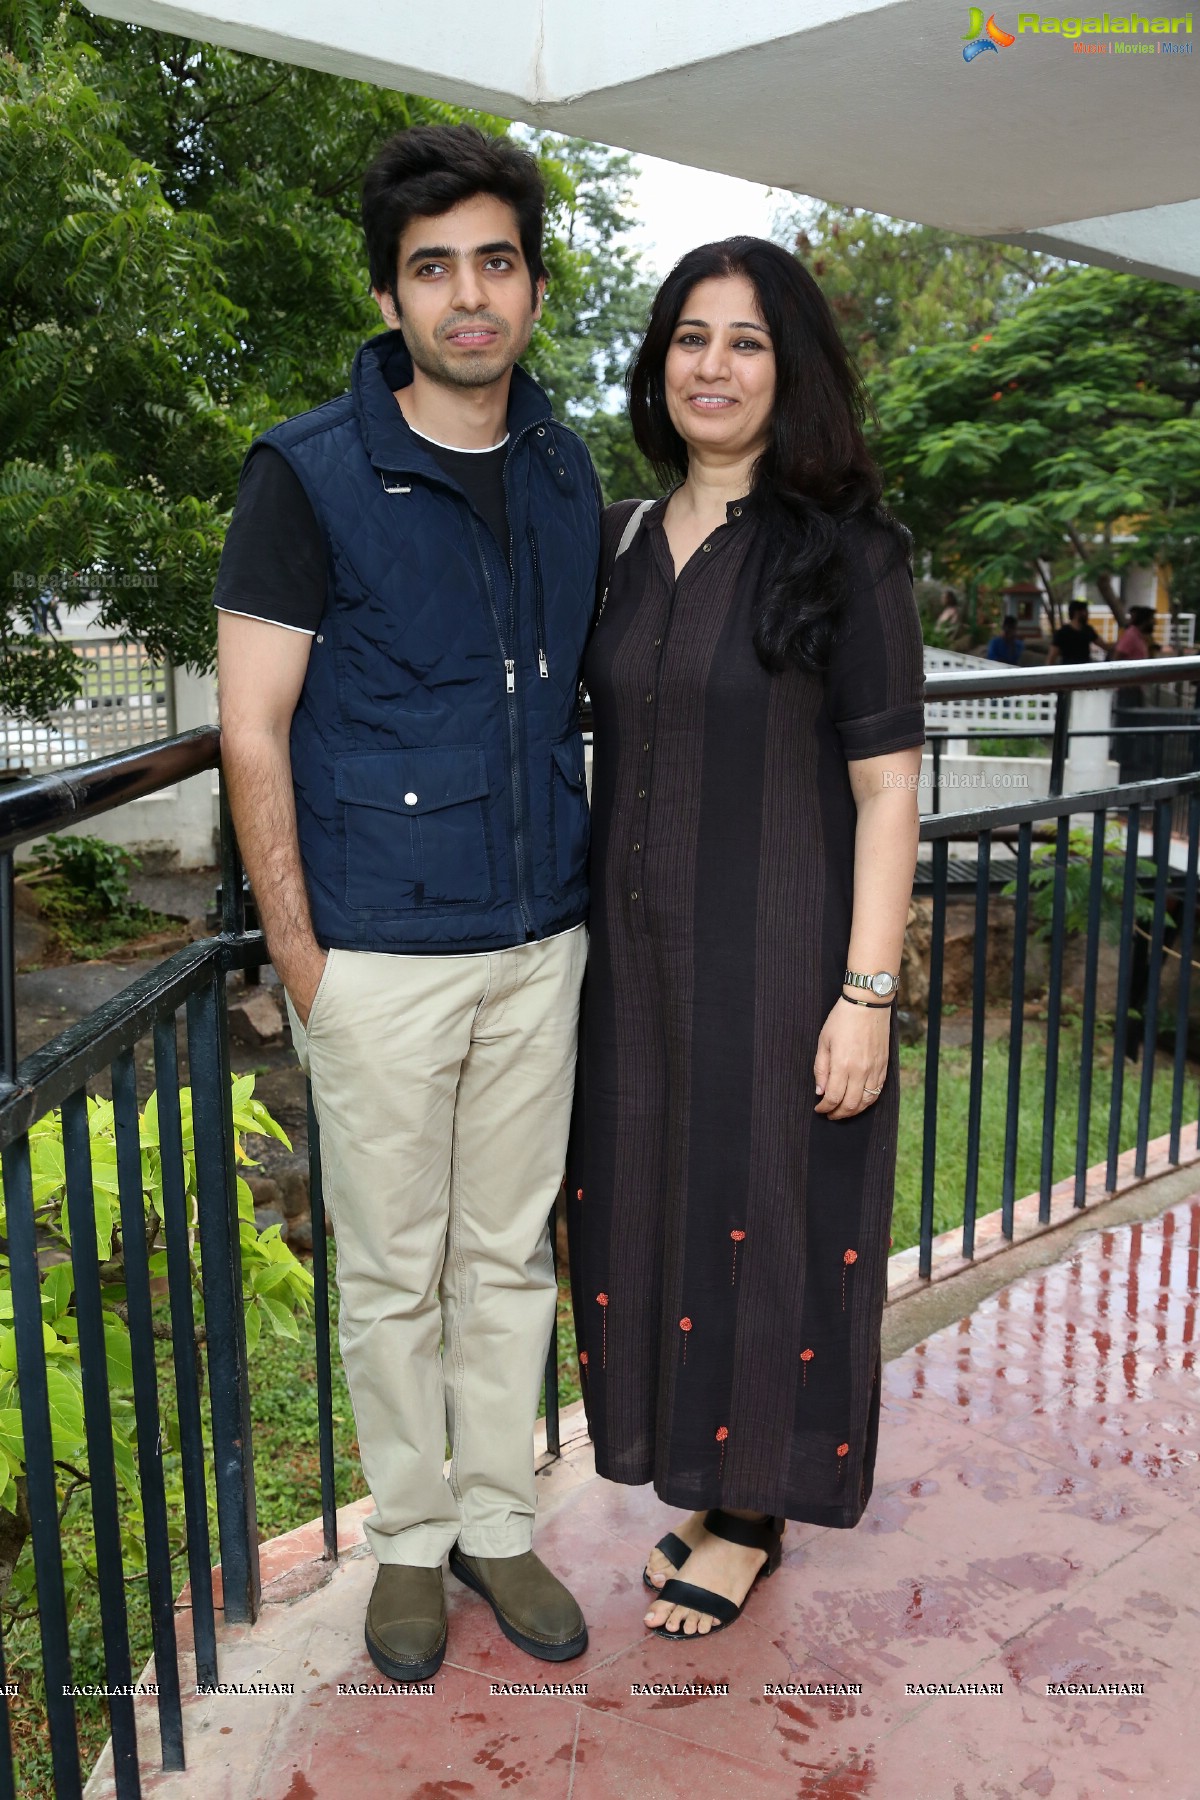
{"x": 410, "y": 799}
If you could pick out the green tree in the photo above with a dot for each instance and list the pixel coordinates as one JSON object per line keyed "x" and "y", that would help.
{"x": 180, "y": 268}
{"x": 597, "y": 303}
{"x": 1066, "y": 439}
{"x": 896, "y": 287}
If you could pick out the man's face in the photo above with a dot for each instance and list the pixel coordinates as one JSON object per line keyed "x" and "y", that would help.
{"x": 467, "y": 304}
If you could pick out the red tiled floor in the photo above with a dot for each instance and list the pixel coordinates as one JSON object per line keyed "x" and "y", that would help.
{"x": 1036, "y": 1519}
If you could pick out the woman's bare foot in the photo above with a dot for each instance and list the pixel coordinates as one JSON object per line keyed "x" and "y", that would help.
{"x": 714, "y": 1563}
{"x": 660, "y": 1568}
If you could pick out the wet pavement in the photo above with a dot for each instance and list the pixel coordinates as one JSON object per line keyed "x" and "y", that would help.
{"x": 1018, "y": 1613}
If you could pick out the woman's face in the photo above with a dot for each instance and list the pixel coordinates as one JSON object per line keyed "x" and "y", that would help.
{"x": 720, "y": 369}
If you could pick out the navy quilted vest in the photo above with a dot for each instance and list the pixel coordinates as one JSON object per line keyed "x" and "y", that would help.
{"x": 436, "y": 751}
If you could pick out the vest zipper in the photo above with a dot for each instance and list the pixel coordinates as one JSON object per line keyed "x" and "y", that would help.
{"x": 514, "y": 747}
{"x": 539, "y": 603}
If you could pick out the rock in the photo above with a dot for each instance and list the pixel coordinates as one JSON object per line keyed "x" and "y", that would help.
{"x": 298, "y": 1233}
{"x": 266, "y": 1193}
{"x": 911, "y": 1029}
{"x": 266, "y": 1216}
{"x": 294, "y": 1202}
{"x": 255, "y": 1017}
{"x": 32, "y": 940}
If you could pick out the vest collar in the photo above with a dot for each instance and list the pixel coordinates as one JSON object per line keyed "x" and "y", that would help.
{"x": 382, "y": 365}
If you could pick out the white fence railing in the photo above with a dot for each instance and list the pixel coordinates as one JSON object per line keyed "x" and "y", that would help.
{"x": 125, "y": 699}
{"x": 1019, "y": 714}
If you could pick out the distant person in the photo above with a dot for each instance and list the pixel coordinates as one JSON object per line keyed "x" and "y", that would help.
{"x": 1137, "y": 639}
{"x": 950, "y": 617}
{"x": 1006, "y": 647}
{"x": 1072, "y": 642}
{"x": 1135, "y": 644}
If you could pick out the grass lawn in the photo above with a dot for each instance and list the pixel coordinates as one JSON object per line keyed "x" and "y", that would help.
{"x": 953, "y": 1095}
{"x": 283, "y": 1378}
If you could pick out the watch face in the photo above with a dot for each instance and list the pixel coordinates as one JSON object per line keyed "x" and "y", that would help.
{"x": 882, "y": 984}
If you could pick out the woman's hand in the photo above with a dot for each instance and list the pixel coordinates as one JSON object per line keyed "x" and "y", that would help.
{"x": 852, "y": 1054}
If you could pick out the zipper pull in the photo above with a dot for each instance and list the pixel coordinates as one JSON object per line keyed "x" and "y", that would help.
{"x": 543, "y": 665}
{"x": 510, "y": 675}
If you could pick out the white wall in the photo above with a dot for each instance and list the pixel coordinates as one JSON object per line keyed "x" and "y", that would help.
{"x": 183, "y": 818}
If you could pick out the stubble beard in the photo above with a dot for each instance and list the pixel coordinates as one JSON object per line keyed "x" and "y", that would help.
{"x": 475, "y": 369}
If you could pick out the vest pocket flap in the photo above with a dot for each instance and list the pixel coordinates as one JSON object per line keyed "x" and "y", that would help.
{"x": 569, "y": 757}
{"x": 411, "y": 781}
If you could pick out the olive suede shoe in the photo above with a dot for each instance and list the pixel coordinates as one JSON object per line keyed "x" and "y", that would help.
{"x": 406, "y": 1621}
{"x": 533, "y": 1609}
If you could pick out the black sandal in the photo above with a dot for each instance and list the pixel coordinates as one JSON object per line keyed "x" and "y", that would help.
{"x": 766, "y": 1535}
{"x": 676, "y": 1553}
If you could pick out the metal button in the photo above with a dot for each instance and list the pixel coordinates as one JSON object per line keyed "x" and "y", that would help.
{"x": 410, "y": 799}
{"x": 562, "y": 471}
{"x": 657, "y": 642}
{"x": 649, "y": 698}
{"x": 541, "y": 431}
{"x": 706, "y": 546}
{"x": 320, "y": 637}
{"x": 633, "y": 893}
{"x": 646, "y": 745}
{"x": 737, "y": 512}
{"x": 637, "y": 846}
{"x": 641, "y": 793}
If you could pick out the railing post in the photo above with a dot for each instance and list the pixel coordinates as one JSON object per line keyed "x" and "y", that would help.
{"x": 1058, "y": 748}
{"x": 8, "y": 974}
{"x": 224, "y": 1316}
{"x": 320, "y": 1269}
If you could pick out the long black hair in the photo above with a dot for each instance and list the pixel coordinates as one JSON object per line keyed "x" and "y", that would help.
{"x": 815, "y": 473}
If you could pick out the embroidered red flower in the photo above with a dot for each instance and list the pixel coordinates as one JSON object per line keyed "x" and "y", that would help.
{"x": 685, "y": 1325}
{"x": 849, "y": 1257}
{"x": 579, "y": 1193}
{"x": 806, "y": 1357}
{"x": 602, "y": 1301}
{"x": 722, "y": 1434}
{"x": 738, "y": 1237}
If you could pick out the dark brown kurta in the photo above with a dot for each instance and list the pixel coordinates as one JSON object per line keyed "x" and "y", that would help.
{"x": 728, "y": 1244}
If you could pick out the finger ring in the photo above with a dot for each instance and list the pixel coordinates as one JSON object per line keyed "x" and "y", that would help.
{"x": 872, "y": 1090}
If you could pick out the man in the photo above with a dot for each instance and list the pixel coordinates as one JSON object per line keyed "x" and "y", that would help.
{"x": 1072, "y": 642}
{"x": 406, "y": 590}
{"x": 1006, "y": 647}
{"x": 1137, "y": 639}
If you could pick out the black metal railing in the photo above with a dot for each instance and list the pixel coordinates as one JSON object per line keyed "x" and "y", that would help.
{"x": 191, "y": 988}
{"x": 1139, "y": 972}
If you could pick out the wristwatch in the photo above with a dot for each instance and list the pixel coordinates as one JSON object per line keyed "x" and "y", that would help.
{"x": 882, "y": 984}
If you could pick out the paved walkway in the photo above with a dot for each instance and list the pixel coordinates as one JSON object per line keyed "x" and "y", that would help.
{"x": 1035, "y": 1526}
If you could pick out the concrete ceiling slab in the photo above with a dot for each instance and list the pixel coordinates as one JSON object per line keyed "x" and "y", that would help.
{"x": 870, "y": 105}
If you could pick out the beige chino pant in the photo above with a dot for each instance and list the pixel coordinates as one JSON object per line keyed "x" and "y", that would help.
{"x": 443, "y": 1089}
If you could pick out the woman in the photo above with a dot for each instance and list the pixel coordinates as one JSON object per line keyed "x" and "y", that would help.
{"x": 756, "y": 677}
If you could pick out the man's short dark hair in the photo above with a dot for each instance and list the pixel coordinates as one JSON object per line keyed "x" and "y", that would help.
{"x": 1076, "y": 606}
{"x": 1010, "y": 618}
{"x": 430, "y": 168}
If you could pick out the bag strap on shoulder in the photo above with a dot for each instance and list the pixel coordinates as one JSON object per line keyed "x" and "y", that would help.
{"x": 627, "y": 536}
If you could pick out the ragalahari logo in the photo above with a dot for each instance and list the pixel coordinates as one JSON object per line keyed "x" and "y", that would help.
{"x": 981, "y": 37}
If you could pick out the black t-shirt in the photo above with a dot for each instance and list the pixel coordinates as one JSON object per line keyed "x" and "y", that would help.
{"x": 273, "y": 561}
{"x": 1072, "y": 643}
